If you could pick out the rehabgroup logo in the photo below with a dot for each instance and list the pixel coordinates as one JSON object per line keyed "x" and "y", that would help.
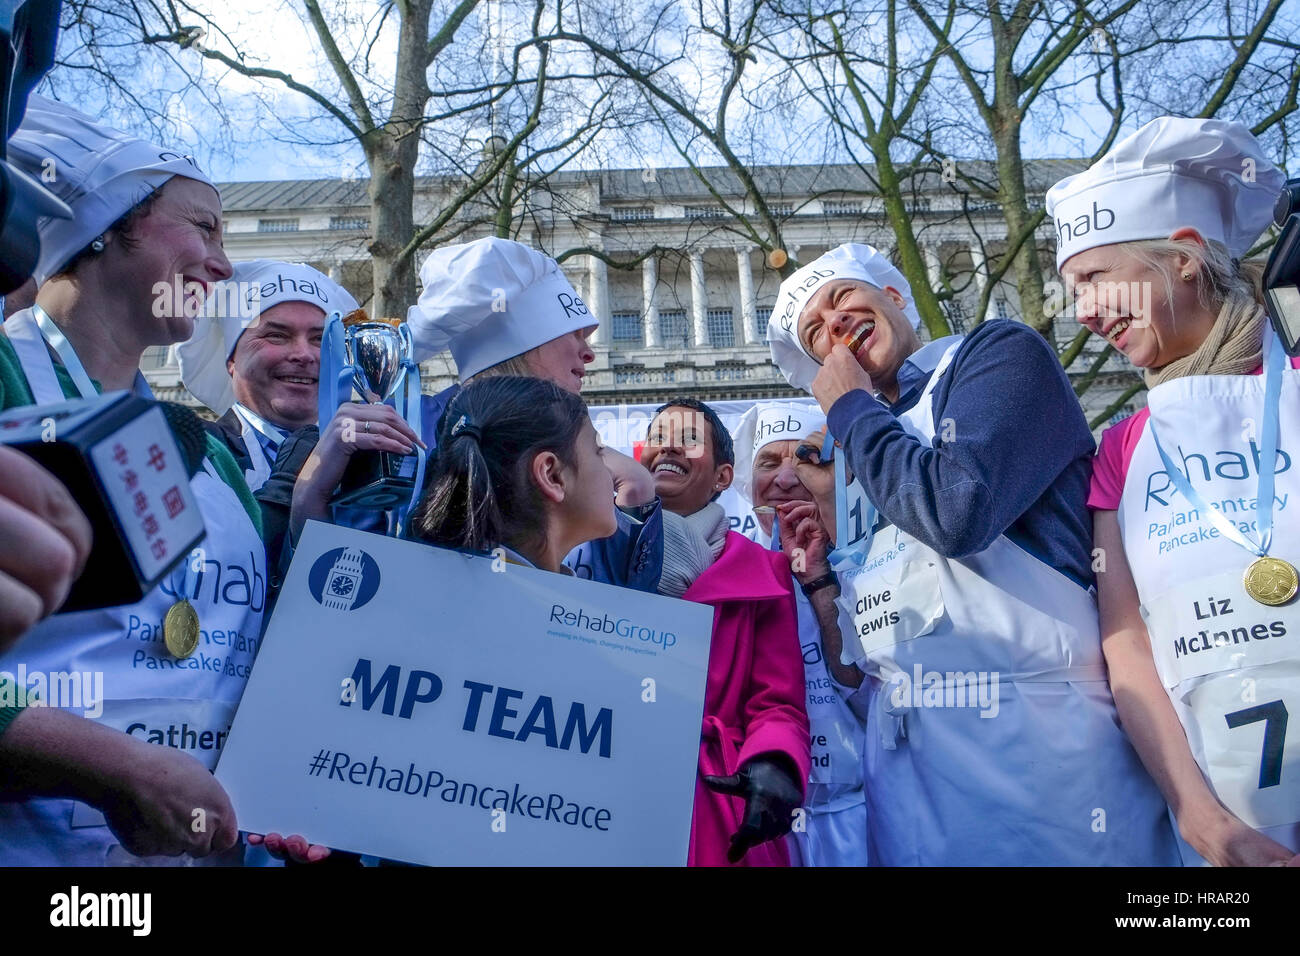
{"x": 344, "y": 579}
{"x": 604, "y": 624}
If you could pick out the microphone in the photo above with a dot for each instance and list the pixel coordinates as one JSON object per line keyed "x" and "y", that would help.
{"x": 127, "y": 461}
{"x": 191, "y": 437}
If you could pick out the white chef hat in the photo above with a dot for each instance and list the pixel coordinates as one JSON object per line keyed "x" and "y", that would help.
{"x": 233, "y": 306}
{"x": 764, "y": 423}
{"x": 490, "y": 300}
{"x": 1173, "y": 172}
{"x": 851, "y": 260}
{"x": 98, "y": 171}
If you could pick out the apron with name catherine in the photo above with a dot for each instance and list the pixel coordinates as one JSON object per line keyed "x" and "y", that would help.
{"x": 992, "y": 737}
{"x": 145, "y": 691}
{"x": 1229, "y": 663}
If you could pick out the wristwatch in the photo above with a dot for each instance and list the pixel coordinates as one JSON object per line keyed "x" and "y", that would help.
{"x": 815, "y": 585}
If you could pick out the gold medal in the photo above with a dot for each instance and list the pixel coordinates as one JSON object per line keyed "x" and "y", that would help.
{"x": 1271, "y": 581}
{"x": 181, "y": 628}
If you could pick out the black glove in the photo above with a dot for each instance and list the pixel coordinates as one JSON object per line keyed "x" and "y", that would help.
{"x": 771, "y": 793}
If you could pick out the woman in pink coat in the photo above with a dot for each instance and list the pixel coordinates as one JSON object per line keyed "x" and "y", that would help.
{"x": 754, "y": 746}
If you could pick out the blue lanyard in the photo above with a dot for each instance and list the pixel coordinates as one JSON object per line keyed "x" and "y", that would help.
{"x": 853, "y": 551}
{"x": 1273, "y": 362}
{"x": 259, "y": 424}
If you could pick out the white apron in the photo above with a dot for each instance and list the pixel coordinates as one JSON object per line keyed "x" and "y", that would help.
{"x": 835, "y": 831}
{"x": 1230, "y": 665}
{"x": 147, "y": 692}
{"x": 992, "y": 738}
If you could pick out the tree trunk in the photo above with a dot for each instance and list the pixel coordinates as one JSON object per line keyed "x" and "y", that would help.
{"x": 911, "y": 261}
{"x": 1027, "y": 265}
{"x": 391, "y": 153}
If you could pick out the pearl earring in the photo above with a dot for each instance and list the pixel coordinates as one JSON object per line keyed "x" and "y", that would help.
{"x": 98, "y": 244}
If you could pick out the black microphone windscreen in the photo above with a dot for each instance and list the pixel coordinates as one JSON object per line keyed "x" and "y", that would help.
{"x": 191, "y": 438}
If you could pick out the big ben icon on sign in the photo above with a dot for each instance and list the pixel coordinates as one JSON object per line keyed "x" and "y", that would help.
{"x": 344, "y": 579}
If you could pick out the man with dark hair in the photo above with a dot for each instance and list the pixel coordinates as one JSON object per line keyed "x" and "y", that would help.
{"x": 679, "y": 423}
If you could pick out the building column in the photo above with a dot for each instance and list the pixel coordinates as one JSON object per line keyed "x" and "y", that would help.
{"x": 649, "y": 281}
{"x": 979, "y": 266}
{"x": 933, "y": 266}
{"x": 598, "y": 296}
{"x": 699, "y": 300}
{"x": 747, "y": 305}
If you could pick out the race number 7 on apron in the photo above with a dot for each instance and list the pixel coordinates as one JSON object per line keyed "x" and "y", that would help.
{"x": 1209, "y": 521}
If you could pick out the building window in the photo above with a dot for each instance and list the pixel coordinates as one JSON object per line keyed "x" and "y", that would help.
{"x": 277, "y": 225}
{"x": 631, "y": 213}
{"x": 916, "y": 205}
{"x": 674, "y": 332}
{"x": 782, "y": 209}
{"x": 156, "y": 357}
{"x": 722, "y": 329}
{"x": 640, "y": 375}
{"x": 761, "y": 314}
{"x": 627, "y": 326}
{"x": 705, "y": 212}
{"x": 842, "y": 207}
{"x": 1000, "y": 305}
{"x": 349, "y": 222}
{"x": 729, "y": 372}
{"x": 956, "y": 316}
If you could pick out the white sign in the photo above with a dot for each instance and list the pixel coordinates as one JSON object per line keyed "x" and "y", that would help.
{"x": 423, "y": 705}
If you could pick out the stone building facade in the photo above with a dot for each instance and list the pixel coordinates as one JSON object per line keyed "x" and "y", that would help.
{"x": 689, "y": 315}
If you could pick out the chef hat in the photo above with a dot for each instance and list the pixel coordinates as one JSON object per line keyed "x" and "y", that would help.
{"x": 99, "y": 172}
{"x": 1173, "y": 172}
{"x": 764, "y": 423}
{"x": 233, "y": 306}
{"x": 490, "y": 300}
{"x": 852, "y": 260}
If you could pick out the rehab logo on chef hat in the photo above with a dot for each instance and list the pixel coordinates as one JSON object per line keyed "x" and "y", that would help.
{"x": 344, "y": 579}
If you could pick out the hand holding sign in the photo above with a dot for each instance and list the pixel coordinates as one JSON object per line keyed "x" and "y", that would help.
{"x": 771, "y": 796}
{"x": 167, "y": 803}
{"x": 295, "y": 848}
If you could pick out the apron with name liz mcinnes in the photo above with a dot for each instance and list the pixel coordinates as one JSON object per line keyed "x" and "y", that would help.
{"x": 1229, "y": 663}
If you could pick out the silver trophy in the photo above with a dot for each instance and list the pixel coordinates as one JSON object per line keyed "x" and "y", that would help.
{"x": 379, "y": 355}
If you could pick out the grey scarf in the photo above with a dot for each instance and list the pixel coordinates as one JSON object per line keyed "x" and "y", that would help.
{"x": 691, "y": 545}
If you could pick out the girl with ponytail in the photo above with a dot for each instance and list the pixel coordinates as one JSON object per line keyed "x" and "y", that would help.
{"x": 519, "y": 466}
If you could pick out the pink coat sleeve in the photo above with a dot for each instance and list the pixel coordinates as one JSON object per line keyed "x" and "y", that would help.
{"x": 776, "y": 718}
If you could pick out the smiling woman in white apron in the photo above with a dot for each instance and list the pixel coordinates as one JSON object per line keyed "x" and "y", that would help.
{"x": 174, "y": 664}
{"x": 1195, "y": 497}
{"x": 991, "y": 738}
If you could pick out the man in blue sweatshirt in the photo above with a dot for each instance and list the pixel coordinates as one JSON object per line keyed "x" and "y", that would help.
{"x": 966, "y": 582}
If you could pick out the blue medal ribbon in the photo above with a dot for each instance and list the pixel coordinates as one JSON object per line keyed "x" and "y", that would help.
{"x": 851, "y": 554}
{"x": 1274, "y": 362}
